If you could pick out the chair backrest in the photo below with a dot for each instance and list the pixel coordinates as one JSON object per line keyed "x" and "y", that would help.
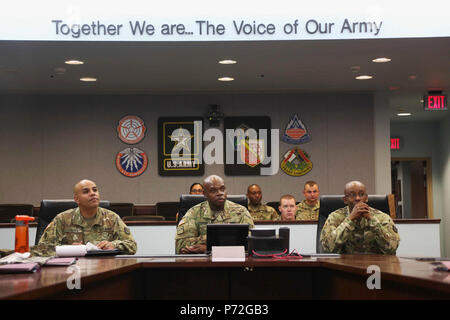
{"x": 50, "y": 208}
{"x": 167, "y": 209}
{"x": 143, "y": 218}
{"x": 9, "y": 211}
{"x": 330, "y": 203}
{"x": 187, "y": 201}
{"x": 275, "y": 205}
{"x": 123, "y": 209}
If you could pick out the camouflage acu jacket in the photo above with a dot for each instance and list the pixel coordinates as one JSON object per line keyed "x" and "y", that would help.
{"x": 342, "y": 235}
{"x": 71, "y": 227}
{"x": 262, "y": 212}
{"x": 307, "y": 212}
{"x": 192, "y": 228}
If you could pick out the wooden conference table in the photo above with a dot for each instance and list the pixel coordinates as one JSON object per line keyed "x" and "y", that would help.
{"x": 199, "y": 278}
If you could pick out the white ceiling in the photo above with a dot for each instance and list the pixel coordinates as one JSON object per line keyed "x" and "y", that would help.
{"x": 271, "y": 67}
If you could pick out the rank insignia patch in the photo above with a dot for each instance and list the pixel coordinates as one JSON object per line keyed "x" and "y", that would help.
{"x": 296, "y": 162}
{"x": 131, "y": 162}
{"x": 131, "y": 129}
{"x": 180, "y": 146}
{"x": 295, "y": 132}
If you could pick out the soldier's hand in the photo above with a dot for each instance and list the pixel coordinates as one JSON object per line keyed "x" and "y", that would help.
{"x": 106, "y": 245}
{"x": 367, "y": 215}
{"x": 198, "y": 248}
{"x": 361, "y": 209}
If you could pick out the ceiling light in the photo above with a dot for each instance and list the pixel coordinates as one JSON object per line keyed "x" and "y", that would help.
{"x": 88, "y": 79}
{"x": 74, "y": 62}
{"x": 381, "y": 60}
{"x": 227, "y": 62}
{"x": 404, "y": 114}
{"x": 363, "y": 77}
{"x": 225, "y": 79}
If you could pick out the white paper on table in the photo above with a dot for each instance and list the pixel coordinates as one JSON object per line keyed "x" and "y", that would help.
{"x": 71, "y": 251}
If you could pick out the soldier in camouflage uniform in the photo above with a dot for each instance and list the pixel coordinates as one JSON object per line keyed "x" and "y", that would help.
{"x": 257, "y": 210}
{"x": 359, "y": 228}
{"x": 191, "y": 231}
{"x": 308, "y": 209}
{"x": 87, "y": 223}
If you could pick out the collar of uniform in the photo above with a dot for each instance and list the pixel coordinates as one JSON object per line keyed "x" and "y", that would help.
{"x": 209, "y": 213}
{"x": 347, "y": 211}
{"x": 79, "y": 220}
{"x": 305, "y": 204}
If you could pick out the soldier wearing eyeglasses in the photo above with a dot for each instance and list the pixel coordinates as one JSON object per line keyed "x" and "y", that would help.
{"x": 358, "y": 228}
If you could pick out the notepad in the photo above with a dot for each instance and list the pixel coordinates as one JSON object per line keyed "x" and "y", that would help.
{"x": 19, "y": 267}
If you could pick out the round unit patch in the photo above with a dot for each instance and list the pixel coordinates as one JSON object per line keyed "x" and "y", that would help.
{"x": 131, "y": 162}
{"x": 131, "y": 129}
{"x": 296, "y": 162}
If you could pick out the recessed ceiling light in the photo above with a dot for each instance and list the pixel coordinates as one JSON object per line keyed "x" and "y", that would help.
{"x": 363, "y": 77}
{"x": 404, "y": 114}
{"x": 225, "y": 79}
{"x": 227, "y": 61}
{"x": 88, "y": 79}
{"x": 381, "y": 60}
{"x": 74, "y": 62}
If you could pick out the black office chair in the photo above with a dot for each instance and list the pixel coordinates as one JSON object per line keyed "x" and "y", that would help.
{"x": 187, "y": 201}
{"x": 142, "y": 218}
{"x": 8, "y": 212}
{"x": 330, "y": 203}
{"x": 123, "y": 209}
{"x": 275, "y": 205}
{"x": 168, "y": 210}
{"x": 50, "y": 208}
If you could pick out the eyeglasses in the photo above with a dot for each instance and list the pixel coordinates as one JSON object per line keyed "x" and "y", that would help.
{"x": 354, "y": 195}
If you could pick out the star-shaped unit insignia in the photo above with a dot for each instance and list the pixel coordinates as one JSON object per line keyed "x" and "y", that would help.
{"x": 183, "y": 139}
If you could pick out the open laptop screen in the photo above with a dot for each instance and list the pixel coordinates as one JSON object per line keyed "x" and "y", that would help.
{"x": 232, "y": 234}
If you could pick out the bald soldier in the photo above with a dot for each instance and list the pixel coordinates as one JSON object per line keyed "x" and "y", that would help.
{"x": 257, "y": 210}
{"x": 308, "y": 209}
{"x": 191, "y": 231}
{"x": 89, "y": 223}
{"x": 358, "y": 228}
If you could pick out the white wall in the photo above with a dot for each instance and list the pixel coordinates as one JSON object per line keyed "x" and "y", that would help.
{"x": 429, "y": 139}
{"x": 444, "y": 169}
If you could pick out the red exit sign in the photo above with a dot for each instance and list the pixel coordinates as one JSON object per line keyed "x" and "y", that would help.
{"x": 435, "y": 102}
{"x": 395, "y": 143}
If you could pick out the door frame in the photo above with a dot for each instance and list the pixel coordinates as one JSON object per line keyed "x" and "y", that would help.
{"x": 429, "y": 180}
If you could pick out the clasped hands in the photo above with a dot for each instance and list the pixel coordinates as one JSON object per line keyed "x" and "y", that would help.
{"x": 360, "y": 210}
{"x": 198, "y": 248}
